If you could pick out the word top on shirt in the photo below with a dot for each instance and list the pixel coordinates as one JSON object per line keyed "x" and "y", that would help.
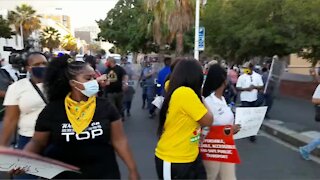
{"x": 93, "y": 131}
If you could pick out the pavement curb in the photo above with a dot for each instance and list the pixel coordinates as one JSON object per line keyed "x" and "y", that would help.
{"x": 292, "y": 137}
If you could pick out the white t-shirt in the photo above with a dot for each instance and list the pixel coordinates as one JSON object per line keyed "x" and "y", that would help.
{"x": 221, "y": 111}
{"x": 316, "y": 94}
{"x": 246, "y": 81}
{"x": 30, "y": 103}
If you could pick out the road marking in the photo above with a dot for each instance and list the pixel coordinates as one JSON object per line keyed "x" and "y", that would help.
{"x": 313, "y": 158}
{"x": 276, "y": 122}
{"x": 311, "y": 134}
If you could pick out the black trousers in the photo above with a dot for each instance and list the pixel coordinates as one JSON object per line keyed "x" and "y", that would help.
{"x": 250, "y": 104}
{"x": 193, "y": 170}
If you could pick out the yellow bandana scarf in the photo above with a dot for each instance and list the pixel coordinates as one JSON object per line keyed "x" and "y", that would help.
{"x": 80, "y": 114}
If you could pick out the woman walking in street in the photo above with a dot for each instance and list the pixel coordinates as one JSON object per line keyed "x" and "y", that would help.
{"x": 181, "y": 115}
{"x": 77, "y": 127}
{"x": 24, "y": 101}
{"x": 213, "y": 90}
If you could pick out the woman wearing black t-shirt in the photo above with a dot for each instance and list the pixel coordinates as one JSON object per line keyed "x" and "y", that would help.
{"x": 79, "y": 128}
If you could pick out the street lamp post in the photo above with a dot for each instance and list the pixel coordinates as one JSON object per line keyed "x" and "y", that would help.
{"x": 196, "y": 36}
{"x": 21, "y": 34}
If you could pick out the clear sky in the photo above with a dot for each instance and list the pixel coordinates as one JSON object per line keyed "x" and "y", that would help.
{"x": 82, "y": 12}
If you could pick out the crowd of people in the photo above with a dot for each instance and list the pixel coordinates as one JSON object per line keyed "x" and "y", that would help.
{"x": 67, "y": 106}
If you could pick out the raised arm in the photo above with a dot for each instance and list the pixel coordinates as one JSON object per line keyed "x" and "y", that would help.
{"x": 120, "y": 144}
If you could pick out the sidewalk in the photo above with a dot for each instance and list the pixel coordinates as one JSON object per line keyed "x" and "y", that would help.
{"x": 292, "y": 120}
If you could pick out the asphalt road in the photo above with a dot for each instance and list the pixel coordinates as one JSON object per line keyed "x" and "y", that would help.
{"x": 266, "y": 159}
{"x": 297, "y": 114}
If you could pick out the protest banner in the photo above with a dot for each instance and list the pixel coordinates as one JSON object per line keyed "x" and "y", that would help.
{"x": 32, "y": 163}
{"x": 250, "y": 119}
{"x": 219, "y": 145}
{"x": 158, "y": 100}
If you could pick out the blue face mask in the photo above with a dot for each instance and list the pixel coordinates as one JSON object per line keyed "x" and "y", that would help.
{"x": 91, "y": 88}
{"x": 38, "y": 72}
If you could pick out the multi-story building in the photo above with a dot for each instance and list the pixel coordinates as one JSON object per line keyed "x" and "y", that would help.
{"x": 88, "y": 33}
{"x": 298, "y": 65}
{"x": 63, "y": 21}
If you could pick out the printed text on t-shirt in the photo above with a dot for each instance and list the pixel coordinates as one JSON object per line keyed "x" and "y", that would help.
{"x": 93, "y": 131}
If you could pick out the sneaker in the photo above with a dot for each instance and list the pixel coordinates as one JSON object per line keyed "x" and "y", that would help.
{"x": 304, "y": 154}
{"x": 151, "y": 116}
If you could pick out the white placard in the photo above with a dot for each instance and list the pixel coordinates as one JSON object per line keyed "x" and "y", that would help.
{"x": 32, "y": 163}
{"x": 250, "y": 119}
{"x": 158, "y": 101}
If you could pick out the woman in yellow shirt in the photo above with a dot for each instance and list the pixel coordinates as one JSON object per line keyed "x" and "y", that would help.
{"x": 181, "y": 115}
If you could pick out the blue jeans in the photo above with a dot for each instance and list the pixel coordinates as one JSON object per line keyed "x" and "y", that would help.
{"x": 22, "y": 142}
{"x": 312, "y": 145}
{"x": 150, "y": 91}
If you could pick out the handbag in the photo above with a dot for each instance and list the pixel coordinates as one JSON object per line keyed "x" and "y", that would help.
{"x": 2, "y": 113}
{"x": 317, "y": 116}
{"x": 39, "y": 92}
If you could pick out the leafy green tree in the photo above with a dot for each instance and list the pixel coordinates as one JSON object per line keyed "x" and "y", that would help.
{"x": 50, "y": 38}
{"x": 126, "y": 26}
{"x": 241, "y": 29}
{"x": 5, "y": 30}
{"x": 303, "y": 16}
{"x": 24, "y": 16}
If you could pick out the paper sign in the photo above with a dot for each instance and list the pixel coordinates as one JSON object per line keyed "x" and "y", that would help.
{"x": 219, "y": 145}
{"x": 250, "y": 119}
{"x": 32, "y": 163}
{"x": 158, "y": 101}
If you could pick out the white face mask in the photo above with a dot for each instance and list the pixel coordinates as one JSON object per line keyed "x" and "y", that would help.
{"x": 91, "y": 88}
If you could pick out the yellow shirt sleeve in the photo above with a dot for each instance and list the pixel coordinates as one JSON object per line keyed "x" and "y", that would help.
{"x": 191, "y": 104}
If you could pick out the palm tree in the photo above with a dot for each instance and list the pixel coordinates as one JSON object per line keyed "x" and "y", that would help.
{"x": 50, "y": 38}
{"x": 5, "y": 30}
{"x": 24, "y": 16}
{"x": 172, "y": 18}
{"x": 69, "y": 43}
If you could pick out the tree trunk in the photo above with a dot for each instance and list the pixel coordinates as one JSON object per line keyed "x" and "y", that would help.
{"x": 179, "y": 43}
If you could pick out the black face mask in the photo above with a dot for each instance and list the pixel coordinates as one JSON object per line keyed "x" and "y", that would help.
{"x": 38, "y": 72}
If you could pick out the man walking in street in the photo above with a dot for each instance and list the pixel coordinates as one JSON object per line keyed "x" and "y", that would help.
{"x": 249, "y": 84}
{"x": 163, "y": 73}
{"x": 306, "y": 150}
{"x": 118, "y": 80}
{"x": 148, "y": 76}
